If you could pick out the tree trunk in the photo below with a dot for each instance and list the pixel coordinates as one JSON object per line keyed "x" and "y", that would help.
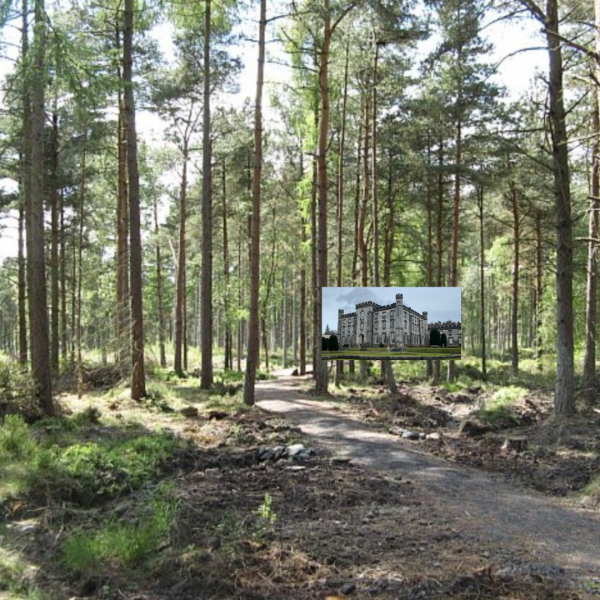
{"x": 339, "y": 364}
{"x": 365, "y": 197}
{"x": 303, "y": 307}
{"x": 206, "y": 379}
{"x": 591, "y": 313}
{"x": 375, "y": 214}
{"x": 439, "y": 248}
{"x": 22, "y": 286}
{"x": 123, "y": 343}
{"x": 78, "y": 330}
{"x": 228, "y": 333}
{"x": 253, "y": 331}
{"x": 138, "y": 376}
{"x": 25, "y": 191}
{"x": 284, "y": 318}
{"x": 179, "y": 303}
{"x": 515, "y": 286}
{"x": 429, "y": 365}
{"x": 54, "y": 265}
{"x": 316, "y": 318}
{"x": 456, "y": 205}
{"x": 36, "y": 267}
{"x": 481, "y": 282}
{"x": 564, "y": 403}
{"x": 357, "y": 209}
{"x": 159, "y": 291}
{"x": 389, "y": 230}
{"x": 538, "y": 290}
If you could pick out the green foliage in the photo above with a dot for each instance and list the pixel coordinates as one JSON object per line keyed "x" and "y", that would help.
{"x": 497, "y": 410}
{"x": 333, "y": 343}
{"x": 443, "y": 341}
{"x": 86, "y": 473}
{"x": 123, "y": 542}
{"x": 16, "y": 389}
{"x": 324, "y": 343}
{"x": 266, "y": 516}
{"x": 434, "y": 337}
{"x": 15, "y": 438}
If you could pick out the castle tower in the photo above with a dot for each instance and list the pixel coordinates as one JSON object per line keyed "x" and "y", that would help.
{"x": 425, "y": 331}
{"x": 399, "y": 329}
{"x": 364, "y": 322}
{"x": 339, "y": 327}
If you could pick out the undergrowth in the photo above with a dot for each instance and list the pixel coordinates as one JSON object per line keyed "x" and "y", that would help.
{"x": 120, "y": 542}
{"x": 58, "y": 467}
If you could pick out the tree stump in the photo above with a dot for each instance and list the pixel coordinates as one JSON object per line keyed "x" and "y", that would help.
{"x": 516, "y": 444}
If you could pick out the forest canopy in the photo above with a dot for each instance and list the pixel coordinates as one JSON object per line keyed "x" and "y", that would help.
{"x": 168, "y": 211}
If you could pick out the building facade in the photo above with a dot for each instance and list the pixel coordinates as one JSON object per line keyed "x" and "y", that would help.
{"x": 372, "y": 323}
{"x": 453, "y": 332}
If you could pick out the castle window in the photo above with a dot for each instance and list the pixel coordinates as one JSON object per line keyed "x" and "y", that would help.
{"x": 392, "y": 323}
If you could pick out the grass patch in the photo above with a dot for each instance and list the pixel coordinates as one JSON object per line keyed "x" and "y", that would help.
{"x": 120, "y": 543}
{"x": 497, "y": 411}
{"x": 84, "y": 472}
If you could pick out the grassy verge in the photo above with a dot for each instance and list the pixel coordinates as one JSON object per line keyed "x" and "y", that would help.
{"x": 48, "y": 463}
{"x": 122, "y": 542}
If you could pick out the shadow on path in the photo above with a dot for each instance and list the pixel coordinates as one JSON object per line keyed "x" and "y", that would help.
{"x": 554, "y": 532}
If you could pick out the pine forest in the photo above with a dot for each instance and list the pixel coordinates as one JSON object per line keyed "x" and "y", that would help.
{"x": 178, "y": 183}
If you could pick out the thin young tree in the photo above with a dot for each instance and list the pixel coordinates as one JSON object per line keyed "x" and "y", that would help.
{"x": 206, "y": 378}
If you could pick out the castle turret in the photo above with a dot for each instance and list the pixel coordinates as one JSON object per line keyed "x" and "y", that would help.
{"x": 340, "y": 324}
{"x": 425, "y": 330}
{"x": 399, "y": 329}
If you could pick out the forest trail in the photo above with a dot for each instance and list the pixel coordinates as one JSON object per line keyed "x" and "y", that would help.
{"x": 555, "y": 535}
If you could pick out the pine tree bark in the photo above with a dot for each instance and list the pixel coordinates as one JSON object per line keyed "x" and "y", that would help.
{"x": 340, "y": 190}
{"x": 253, "y": 333}
{"x": 138, "y": 376}
{"x": 22, "y": 284}
{"x": 375, "y": 214}
{"x": 206, "y": 379}
{"x": 54, "y": 242}
{"x": 123, "y": 333}
{"x": 538, "y": 290}
{"x": 564, "y": 403}
{"x": 362, "y": 245}
{"x": 303, "y": 307}
{"x": 228, "y": 332}
{"x": 36, "y": 268}
{"x": 515, "y": 285}
{"x": 339, "y": 364}
{"x": 78, "y": 326}
{"x": 159, "y": 291}
{"x": 181, "y": 266}
{"x": 481, "y": 282}
{"x": 591, "y": 313}
{"x": 25, "y": 187}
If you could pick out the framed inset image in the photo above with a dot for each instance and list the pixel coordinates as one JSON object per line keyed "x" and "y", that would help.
{"x": 391, "y": 323}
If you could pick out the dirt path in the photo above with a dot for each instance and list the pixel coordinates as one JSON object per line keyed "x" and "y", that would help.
{"x": 555, "y": 534}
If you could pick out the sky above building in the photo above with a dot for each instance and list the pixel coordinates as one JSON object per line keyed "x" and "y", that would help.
{"x": 441, "y": 304}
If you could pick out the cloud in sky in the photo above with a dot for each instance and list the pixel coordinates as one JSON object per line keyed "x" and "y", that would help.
{"x": 441, "y": 304}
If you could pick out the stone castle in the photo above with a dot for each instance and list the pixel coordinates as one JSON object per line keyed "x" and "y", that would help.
{"x": 372, "y": 323}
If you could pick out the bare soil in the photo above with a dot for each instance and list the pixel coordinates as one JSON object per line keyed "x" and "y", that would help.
{"x": 368, "y": 516}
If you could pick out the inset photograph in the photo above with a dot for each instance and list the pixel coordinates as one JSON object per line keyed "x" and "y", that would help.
{"x": 391, "y": 323}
